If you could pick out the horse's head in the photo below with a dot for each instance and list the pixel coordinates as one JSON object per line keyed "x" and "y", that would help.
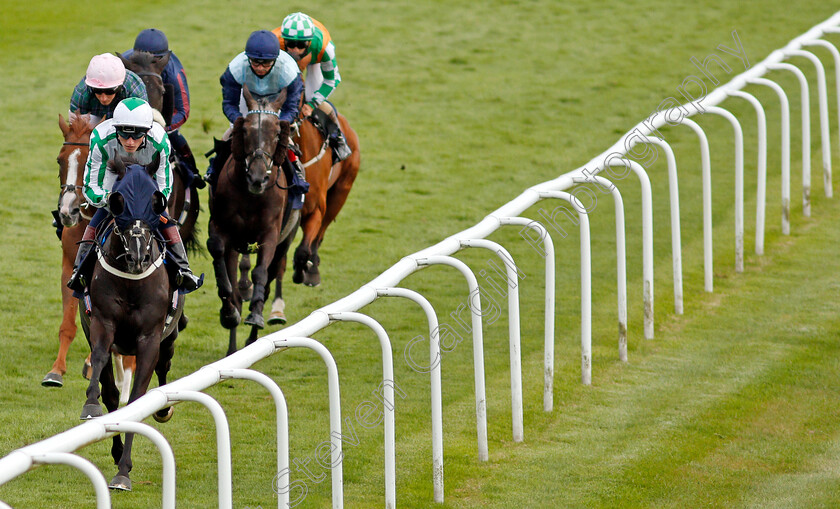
{"x": 71, "y": 166}
{"x": 136, "y": 205}
{"x": 254, "y": 141}
{"x": 150, "y": 67}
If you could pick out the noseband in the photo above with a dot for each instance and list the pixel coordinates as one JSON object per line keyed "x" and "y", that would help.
{"x": 71, "y": 188}
{"x": 137, "y": 233}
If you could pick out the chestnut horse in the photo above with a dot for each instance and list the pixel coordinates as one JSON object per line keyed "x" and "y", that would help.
{"x": 134, "y": 307}
{"x": 250, "y": 209}
{"x": 329, "y": 185}
{"x": 74, "y": 215}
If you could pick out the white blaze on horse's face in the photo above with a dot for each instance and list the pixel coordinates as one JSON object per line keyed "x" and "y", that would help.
{"x": 69, "y": 202}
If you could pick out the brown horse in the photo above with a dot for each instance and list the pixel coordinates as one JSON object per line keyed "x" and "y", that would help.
{"x": 250, "y": 208}
{"x": 74, "y": 215}
{"x": 183, "y": 201}
{"x": 134, "y": 307}
{"x": 329, "y": 185}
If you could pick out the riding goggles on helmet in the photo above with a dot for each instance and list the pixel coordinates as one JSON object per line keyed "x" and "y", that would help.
{"x": 130, "y": 131}
{"x": 291, "y": 43}
{"x": 105, "y": 91}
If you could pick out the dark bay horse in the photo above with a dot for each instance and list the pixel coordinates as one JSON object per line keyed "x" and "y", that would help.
{"x": 329, "y": 185}
{"x": 134, "y": 309}
{"x": 74, "y": 215}
{"x": 184, "y": 203}
{"x": 250, "y": 210}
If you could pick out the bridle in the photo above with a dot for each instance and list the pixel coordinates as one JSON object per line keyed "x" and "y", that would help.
{"x": 71, "y": 188}
{"x": 138, "y": 234}
{"x": 268, "y": 159}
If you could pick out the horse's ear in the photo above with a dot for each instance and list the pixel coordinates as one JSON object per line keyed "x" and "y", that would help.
{"x": 152, "y": 167}
{"x": 277, "y": 103}
{"x": 160, "y": 65}
{"x": 125, "y": 61}
{"x": 62, "y": 124}
{"x": 117, "y": 165}
{"x": 249, "y": 101}
{"x": 237, "y": 139}
{"x": 116, "y": 203}
{"x": 158, "y": 202}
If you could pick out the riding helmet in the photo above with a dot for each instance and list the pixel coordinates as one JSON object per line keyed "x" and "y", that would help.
{"x": 153, "y": 41}
{"x": 105, "y": 71}
{"x": 297, "y": 27}
{"x": 133, "y": 112}
{"x": 262, "y": 45}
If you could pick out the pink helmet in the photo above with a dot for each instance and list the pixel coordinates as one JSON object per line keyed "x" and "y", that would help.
{"x": 105, "y": 71}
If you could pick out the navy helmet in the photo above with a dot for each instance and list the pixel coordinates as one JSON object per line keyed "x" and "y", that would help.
{"x": 152, "y": 40}
{"x": 262, "y": 45}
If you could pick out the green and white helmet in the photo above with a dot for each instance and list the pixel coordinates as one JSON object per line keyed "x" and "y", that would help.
{"x": 133, "y": 112}
{"x": 298, "y": 27}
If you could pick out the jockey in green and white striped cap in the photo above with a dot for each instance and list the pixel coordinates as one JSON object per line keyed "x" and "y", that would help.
{"x": 298, "y": 27}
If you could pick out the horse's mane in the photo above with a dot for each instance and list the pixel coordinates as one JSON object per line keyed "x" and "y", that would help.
{"x": 80, "y": 125}
{"x": 142, "y": 59}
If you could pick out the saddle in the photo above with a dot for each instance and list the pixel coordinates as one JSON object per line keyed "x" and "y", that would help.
{"x": 322, "y": 121}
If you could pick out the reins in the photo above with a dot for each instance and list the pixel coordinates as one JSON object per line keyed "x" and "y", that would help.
{"x": 320, "y": 155}
{"x": 267, "y": 159}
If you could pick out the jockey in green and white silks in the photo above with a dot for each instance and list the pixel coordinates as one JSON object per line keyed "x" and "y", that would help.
{"x": 133, "y": 133}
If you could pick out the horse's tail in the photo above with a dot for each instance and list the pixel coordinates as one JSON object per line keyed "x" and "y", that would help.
{"x": 190, "y": 236}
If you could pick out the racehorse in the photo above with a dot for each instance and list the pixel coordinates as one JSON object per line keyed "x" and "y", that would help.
{"x": 250, "y": 207}
{"x": 134, "y": 310}
{"x": 329, "y": 185}
{"x": 74, "y": 215}
{"x": 184, "y": 200}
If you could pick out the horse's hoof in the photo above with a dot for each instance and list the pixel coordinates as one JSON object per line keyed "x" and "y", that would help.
{"x": 53, "y": 380}
{"x": 91, "y": 410}
{"x": 86, "y": 370}
{"x": 312, "y": 280}
{"x": 230, "y": 321}
{"x": 246, "y": 291}
{"x": 164, "y": 414}
{"x": 255, "y": 320}
{"x": 277, "y": 318}
{"x": 120, "y": 482}
{"x": 183, "y": 322}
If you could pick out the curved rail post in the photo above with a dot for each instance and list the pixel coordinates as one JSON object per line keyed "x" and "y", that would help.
{"x": 647, "y": 234}
{"x": 515, "y": 340}
{"x": 388, "y": 398}
{"x": 547, "y": 252}
{"x": 336, "y": 455}
{"x": 474, "y": 304}
{"x": 823, "y": 103}
{"x": 785, "y": 108}
{"x": 100, "y": 485}
{"x": 706, "y": 176}
{"x": 621, "y": 259}
{"x": 168, "y": 473}
{"x": 805, "y": 102}
{"x": 761, "y": 186}
{"x": 585, "y": 283}
{"x": 676, "y": 242}
{"x": 836, "y": 54}
{"x": 434, "y": 370}
{"x": 282, "y": 414}
{"x": 222, "y": 440}
{"x": 739, "y": 184}
{"x": 4, "y": 505}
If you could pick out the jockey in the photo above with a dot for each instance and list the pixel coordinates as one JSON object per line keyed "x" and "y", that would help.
{"x": 308, "y": 42}
{"x": 106, "y": 83}
{"x": 152, "y": 40}
{"x": 132, "y": 133}
{"x": 267, "y": 71}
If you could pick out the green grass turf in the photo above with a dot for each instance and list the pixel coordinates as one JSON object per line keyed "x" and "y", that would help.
{"x": 459, "y": 107}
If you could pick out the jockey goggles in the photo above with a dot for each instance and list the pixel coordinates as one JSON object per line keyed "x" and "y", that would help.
{"x": 291, "y": 43}
{"x": 105, "y": 91}
{"x": 129, "y": 131}
{"x": 260, "y": 62}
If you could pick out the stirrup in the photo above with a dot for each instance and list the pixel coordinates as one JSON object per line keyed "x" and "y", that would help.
{"x": 188, "y": 281}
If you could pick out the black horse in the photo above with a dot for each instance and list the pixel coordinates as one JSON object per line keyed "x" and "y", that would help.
{"x": 250, "y": 210}
{"x": 134, "y": 308}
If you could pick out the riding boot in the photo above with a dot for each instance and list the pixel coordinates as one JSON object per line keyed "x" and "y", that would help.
{"x": 77, "y": 281}
{"x": 184, "y": 278}
{"x": 222, "y": 149}
{"x": 337, "y": 140}
{"x": 187, "y": 158}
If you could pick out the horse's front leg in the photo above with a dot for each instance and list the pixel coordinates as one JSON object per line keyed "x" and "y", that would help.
{"x": 66, "y": 334}
{"x": 259, "y": 276}
{"x": 246, "y": 288}
{"x": 148, "y": 351}
{"x": 217, "y": 245}
{"x": 101, "y": 339}
{"x": 167, "y": 351}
